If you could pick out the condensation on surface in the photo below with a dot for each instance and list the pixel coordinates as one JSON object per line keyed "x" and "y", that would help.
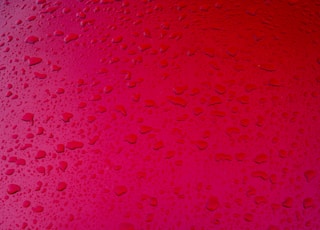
{"x": 159, "y": 114}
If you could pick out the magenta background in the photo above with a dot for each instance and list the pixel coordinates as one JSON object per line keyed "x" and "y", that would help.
{"x": 164, "y": 114}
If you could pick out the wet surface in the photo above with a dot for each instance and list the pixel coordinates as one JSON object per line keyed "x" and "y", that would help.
{"x": 159, "y": 114}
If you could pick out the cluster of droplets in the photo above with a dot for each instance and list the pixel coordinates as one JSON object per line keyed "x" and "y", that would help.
{"x": 156, "y": 115}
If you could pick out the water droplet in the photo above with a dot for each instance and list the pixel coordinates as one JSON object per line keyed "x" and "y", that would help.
{"x": 131, "y": 138}
{"x": 66, "y": 117}
{"x": 158, "y": 145}
{"x": 38, "y": 209}
{"x": 40, "y": 75}
{"x": 31, "y": 39}
{"x": 60, "y": 148}
{"x": 261, "y": 158}
{"x": 153, "y": 201}
{"x": 13, "y": 188}
{"x": 72, "y": 145}
{"x": 61, "y": 186}
{"x": 212, "y": 203}
{"x": 28, "y": 117}
{"x": 163, "y": 63}
{"x": 9, "y": 172}
{"x": 34, "y": 60}
{"x": 55, "y": 68}
{"x": 220, "y": 88}
{"x": 201, "y": 144}
{"x": 40, "y": 154}
{"x": 58, "y": 33}
{"x": 63, "y": 165}
{"x": 120, "y": 190}
{"x": 248, "y": 217}
{"x": 260, "y": 200}
{"x": 267, "y": 67}
{"x": 288, "y": 202}
{"x": 26, "y": 204}
{"x": 121, "y": 109}
{"x": 108, "y": 89}
{"x": 70, "y": 37}
{"x": 243, "y": 99}
{"x": 210, "y": 52}
{"x": 214, "y": 100}
{"x": 21, "y": 161}
{"x": 145, "y": 46}
{"x": 117, "y": 39}
{"x": 176, "y": 100}
{"x": 309, "y": 175}
{"x": 260, "y": 174}
{"x": 274, "y": 82}
{"x": 308, "y": 203}
{"x": 223, "y": 157}
{"x": 145, "y": 129}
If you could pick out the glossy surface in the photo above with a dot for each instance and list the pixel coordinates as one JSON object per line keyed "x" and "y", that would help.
{"x": 159, "y": 114}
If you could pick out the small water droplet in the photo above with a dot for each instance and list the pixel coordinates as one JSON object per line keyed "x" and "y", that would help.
{"x": 13, "y": 188}
{"x": 145, "y": 46}
{"x": 117, "y": 39}
{"x": 61, "y": 186}
{"x": 34, "y": 60}
{"x": 28, "y": 117}
{"x": 145, "y": 129}
{"x": 308, "y": 203}
{"x": 131, "y": 138}
{"x": 66, "y": 117}
{"x": 176, "y": 100}
{"x": 40, "y": 75}
{"x": 288, "y": 202}
{"x": 201, "y": 144}
{"x": 212, "y": 203}
{"x": 38, "y": 209}
{"x": 70, "y": 37}
{"x": 26, "y": 204}
{"x": 40, "y": 154}
{"x": 248, "y": 217}
{"x": 214, "y": 100}
{"x": 72, "y": 145}
{"x": 309, "y": 175}
{"x": 9, "y": 172}
{"x": 261, "y": 158}
{"x": 121, "y": 109}
{"x": 31, "y": 39}
{"x": 63, "y": 165}
{"x": 120, "y": 190}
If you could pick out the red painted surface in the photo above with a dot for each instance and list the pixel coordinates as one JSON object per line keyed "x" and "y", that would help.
{"x": 159, "y": 114}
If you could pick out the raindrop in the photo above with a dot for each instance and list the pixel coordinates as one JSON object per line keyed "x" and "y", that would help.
{"x": 13, "y": 188}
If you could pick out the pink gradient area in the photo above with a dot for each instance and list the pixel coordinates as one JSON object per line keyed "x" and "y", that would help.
{"x": 134, "y": 115}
